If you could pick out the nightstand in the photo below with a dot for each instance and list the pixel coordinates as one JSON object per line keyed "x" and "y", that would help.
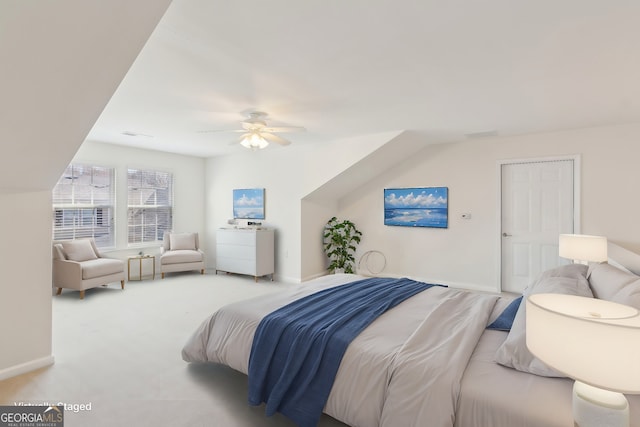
{"x": 140, "y": 259}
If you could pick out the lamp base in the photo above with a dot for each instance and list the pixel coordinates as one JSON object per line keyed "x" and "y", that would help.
{"x": 595, "y": 407}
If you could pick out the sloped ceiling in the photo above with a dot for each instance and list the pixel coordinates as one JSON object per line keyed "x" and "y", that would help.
{"x": 61, "y": 62}
{"x": 441, "y": 69}
{"x": 378, "y": 159}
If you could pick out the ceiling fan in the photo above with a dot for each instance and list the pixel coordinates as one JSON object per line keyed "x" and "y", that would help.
{"x": 256, "y": 134}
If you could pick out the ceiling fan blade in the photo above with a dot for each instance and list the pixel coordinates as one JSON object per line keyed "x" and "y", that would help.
{"x": 221, "y": 130}
{"x": 256, "y": 133}
{"x": 253, "y": 124}
{"x": 275, "y": 138}
{"x": 284, "y": 129}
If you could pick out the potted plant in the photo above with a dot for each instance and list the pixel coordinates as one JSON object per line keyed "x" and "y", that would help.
{"x": 340, "y": 241}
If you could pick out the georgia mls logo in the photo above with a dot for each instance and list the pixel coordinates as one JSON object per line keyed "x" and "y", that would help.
{"x": 56, "y": 409}
{"x": 31, "y": 416}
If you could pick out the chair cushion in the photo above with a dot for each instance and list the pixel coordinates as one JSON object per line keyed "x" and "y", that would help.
{"x": 180, "y": 256}
{"x": 58, "y": 252}
{"x": 182, "y": 241}
{"x": 79, "y": 250}
{"x": 101, "y": 267}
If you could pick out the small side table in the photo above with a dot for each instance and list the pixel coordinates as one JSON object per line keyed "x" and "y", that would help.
{"x": 141, "y": 258}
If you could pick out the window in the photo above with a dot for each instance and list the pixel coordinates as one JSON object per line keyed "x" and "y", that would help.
{"x": 83, "y": 204}
{"x": 150, "y": 205}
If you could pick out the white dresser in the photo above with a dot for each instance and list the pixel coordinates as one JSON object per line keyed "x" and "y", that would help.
{"x": 245, "y": 251}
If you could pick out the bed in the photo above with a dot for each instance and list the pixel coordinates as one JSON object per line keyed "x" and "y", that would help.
{"x": 431, "y": 360}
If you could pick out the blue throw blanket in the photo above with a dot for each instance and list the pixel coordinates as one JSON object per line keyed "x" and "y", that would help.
{"x": 297, "y": 349}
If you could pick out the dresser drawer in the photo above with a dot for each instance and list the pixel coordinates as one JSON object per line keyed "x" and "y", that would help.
{"x": 236, "y": 237}
{"x": 235, "y": 265}
{"x": 236, "y": 251}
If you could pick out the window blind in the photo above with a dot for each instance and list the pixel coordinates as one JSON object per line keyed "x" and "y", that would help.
{"x": 83, "y": 204}
{"x": 150, "y": 205}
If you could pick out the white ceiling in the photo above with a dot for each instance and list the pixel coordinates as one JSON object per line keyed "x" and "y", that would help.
{"x": 342, "y": 68}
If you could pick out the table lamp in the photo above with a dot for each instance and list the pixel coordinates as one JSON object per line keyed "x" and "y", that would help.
{"x": 595, "y": 342}
{"x": 583, "y": 248}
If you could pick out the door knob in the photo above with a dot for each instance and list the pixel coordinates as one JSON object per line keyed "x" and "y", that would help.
{"x": 506, "y": 234}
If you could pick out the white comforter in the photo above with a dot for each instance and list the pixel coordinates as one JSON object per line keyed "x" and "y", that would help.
{"x": 402, "y": 370}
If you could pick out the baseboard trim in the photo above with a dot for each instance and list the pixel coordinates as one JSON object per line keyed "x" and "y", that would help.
{"x": 313, "y": 276}
{"x": 23, "y": 368}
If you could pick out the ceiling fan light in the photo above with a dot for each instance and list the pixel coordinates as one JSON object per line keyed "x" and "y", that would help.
{"x": 254, "y": 142}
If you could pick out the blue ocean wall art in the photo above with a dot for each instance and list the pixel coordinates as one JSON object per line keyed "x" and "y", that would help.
{"x": 417, "y": 207}
{"x": 248, "y": 203}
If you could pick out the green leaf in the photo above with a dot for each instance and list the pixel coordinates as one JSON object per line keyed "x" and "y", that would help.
{"x": 340, "y": 239}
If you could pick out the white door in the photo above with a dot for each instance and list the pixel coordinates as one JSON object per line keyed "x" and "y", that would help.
{"x": 537, "y": 206}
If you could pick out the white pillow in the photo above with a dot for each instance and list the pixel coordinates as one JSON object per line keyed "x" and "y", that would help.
{"x": 612, "y": 284}
{"x": 182, "y": 241}
{"x": 513, "y": 353}
{"x": 79, "y": 250}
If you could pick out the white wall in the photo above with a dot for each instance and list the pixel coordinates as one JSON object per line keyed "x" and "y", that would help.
{"x": 188, "y": 190}
{"x": 321, "y": 203}
{"x": 467, "y": 253}
{"x": 314, "y": 215}
{"x": 276, "y": 170}
{"x": 25, "y": 305}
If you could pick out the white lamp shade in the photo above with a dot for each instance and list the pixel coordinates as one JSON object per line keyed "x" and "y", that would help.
{"x": 583, "y": 247}
{"x": 590, "y": 340}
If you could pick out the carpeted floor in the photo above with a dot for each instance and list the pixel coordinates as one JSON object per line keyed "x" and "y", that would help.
{"x": 118, "y": 357}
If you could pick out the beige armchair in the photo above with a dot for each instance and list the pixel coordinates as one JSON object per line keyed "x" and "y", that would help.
{"x": 180, "y": 252}
{"x": 79, "y": 265}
